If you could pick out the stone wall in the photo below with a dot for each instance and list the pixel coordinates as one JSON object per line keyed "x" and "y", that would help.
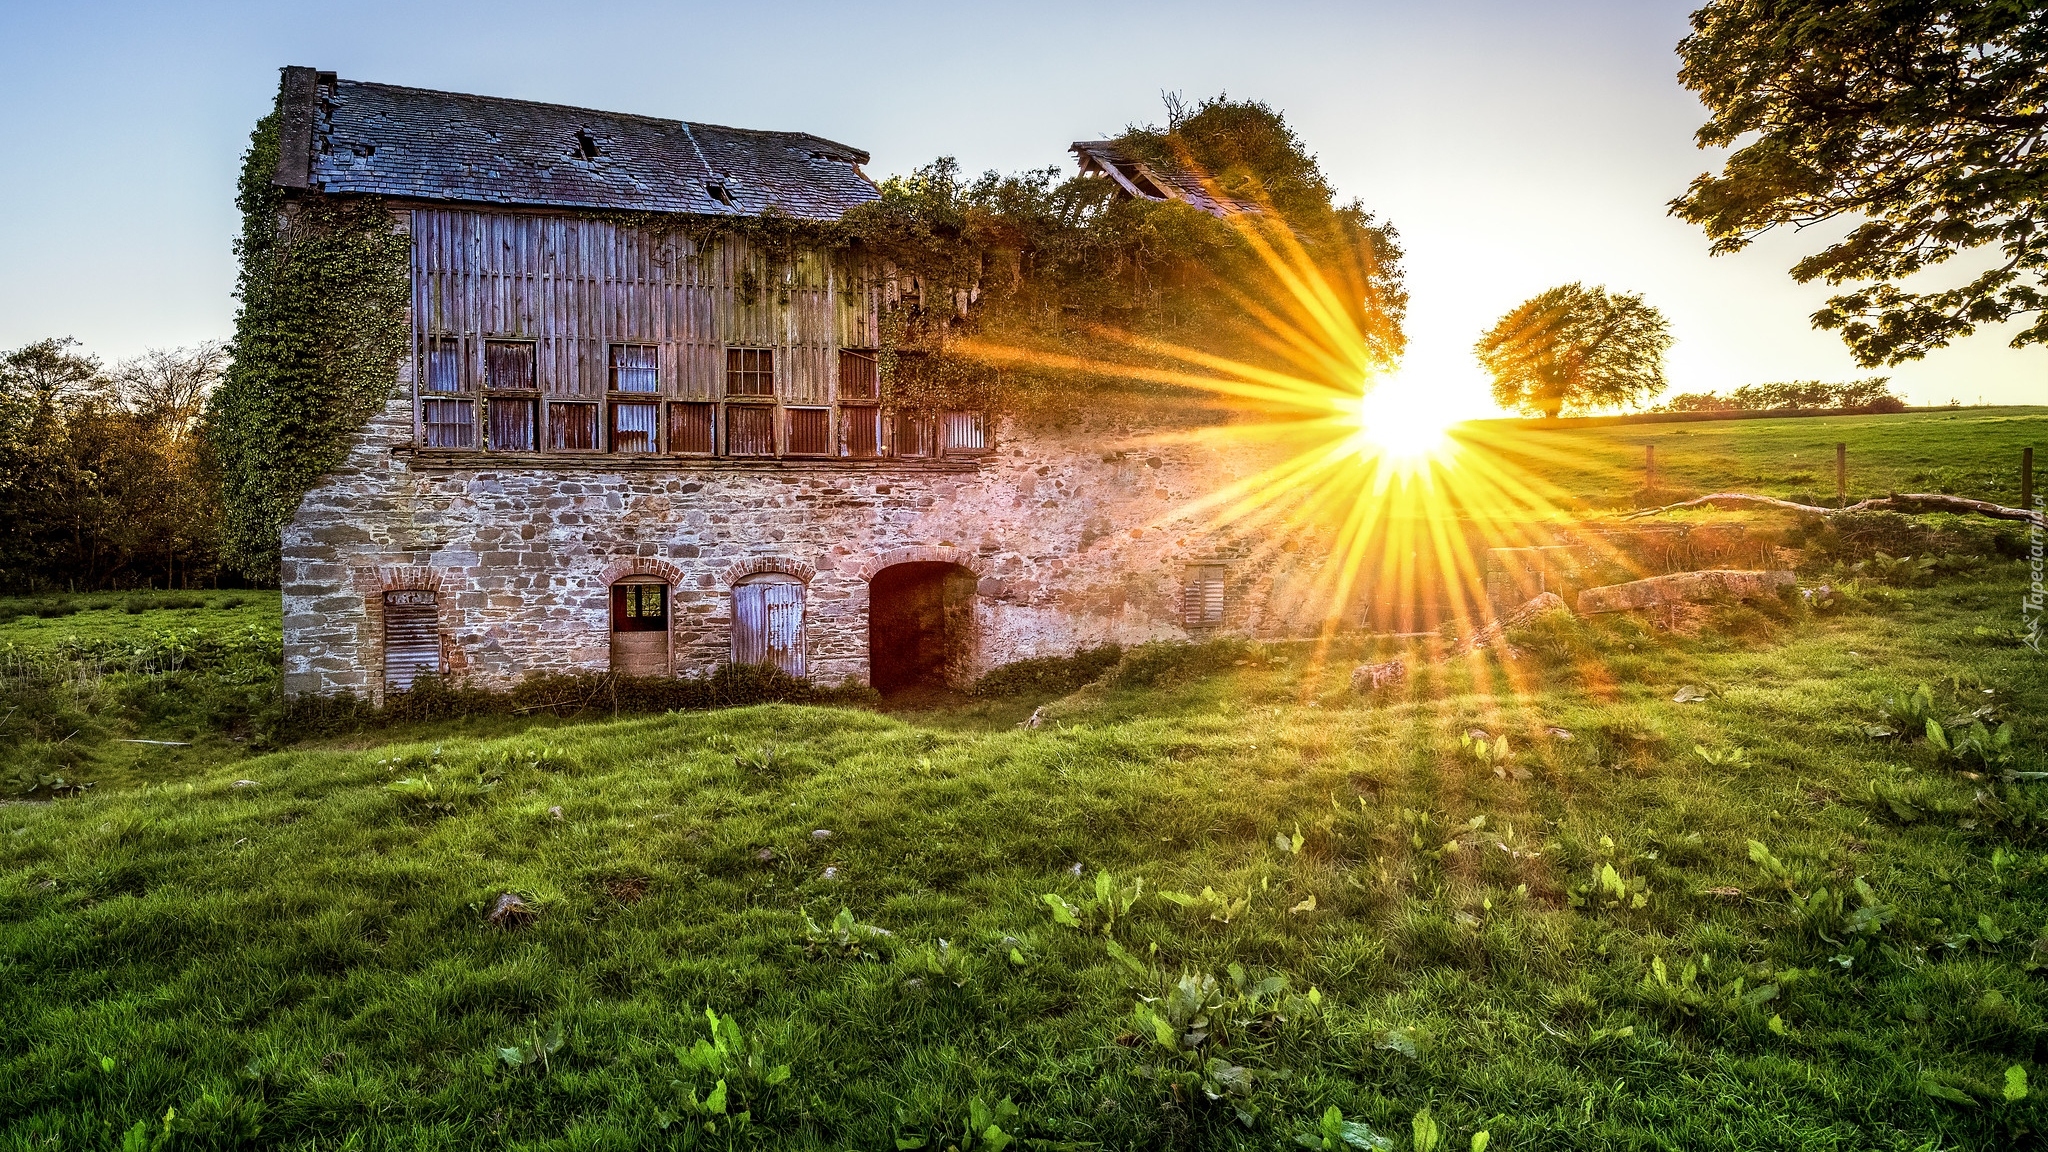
{"x": 1078, "y": 538}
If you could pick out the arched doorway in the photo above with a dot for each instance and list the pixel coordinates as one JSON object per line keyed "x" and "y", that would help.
{"x": 640, "y": 626}
{"x": 920, "y": 625}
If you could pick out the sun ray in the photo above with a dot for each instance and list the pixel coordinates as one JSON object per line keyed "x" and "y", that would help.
{"x": 1361, "y": 460}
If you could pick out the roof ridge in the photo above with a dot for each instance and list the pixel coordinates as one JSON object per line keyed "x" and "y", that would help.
{"x": 665, "y": 120}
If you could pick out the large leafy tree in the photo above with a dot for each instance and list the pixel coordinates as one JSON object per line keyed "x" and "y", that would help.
{"x": 1576, "y": 347}
{"x": 1924, "y": 121}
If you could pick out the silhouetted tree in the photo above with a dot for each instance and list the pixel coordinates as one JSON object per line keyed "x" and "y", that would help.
{"x": 1576, "y": 347}
{"x": 1925, "y": 122}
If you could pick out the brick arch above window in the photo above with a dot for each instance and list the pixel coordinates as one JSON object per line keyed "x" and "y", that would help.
{"x": 643, "y": 566}
{"x": 922, "y": 554}
{"x": 754, "y": 565}
{"x": 372, "y": 581}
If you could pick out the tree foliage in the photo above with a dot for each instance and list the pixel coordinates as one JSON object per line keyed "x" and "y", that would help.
{"x": 103, "y": 481}
{"x": 1576, "y": 347}
{"x": 1066, "y": 268}
{"x": 1924, "y": 122}
{"x": 1870, "y": 394}
{"x": 318, "y": 340}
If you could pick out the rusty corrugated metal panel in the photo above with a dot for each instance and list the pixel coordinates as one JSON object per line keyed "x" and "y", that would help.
{"x": 768, "y": 623}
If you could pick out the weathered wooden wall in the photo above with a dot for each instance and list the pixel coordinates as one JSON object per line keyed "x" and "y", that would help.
{"x": 577, "y": 285}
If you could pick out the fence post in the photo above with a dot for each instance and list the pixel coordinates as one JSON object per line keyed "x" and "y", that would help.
{"x": 1841, "y": 474}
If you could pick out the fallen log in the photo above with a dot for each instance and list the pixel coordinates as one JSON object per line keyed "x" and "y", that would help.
{"x": 1907, "y": 502}
{"x": 1683, "y": 588}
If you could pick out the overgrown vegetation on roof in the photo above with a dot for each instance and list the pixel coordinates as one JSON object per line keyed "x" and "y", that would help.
{"x": 1044, "y": 267}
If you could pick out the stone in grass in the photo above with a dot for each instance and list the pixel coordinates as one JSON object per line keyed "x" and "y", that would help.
{"x": 509, "y": 911}
{"x": 1683, "y": 588}
{"x": 821, "y": 834}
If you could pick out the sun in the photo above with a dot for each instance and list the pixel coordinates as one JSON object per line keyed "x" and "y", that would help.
{"x": 1401, "y": 420}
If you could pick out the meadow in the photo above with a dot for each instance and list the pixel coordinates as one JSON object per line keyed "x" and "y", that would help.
{"x": 1693, "y": 880}
{"x": 1968, "y": 452}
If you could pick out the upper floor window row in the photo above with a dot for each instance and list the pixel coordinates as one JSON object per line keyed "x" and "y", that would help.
{"x": 509, "y": 413}
{"x": 512, "y": 366}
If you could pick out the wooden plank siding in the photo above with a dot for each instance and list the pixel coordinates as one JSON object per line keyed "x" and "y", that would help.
{"x": 575, "y": 286}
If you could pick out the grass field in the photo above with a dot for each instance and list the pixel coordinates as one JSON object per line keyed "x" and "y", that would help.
{"x": 1970, "y": 452}
{"x": 1692, "y": 902}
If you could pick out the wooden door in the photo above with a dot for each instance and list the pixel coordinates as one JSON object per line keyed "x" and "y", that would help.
{"x": 640, "y": 628}
{"x": 768, "y": 623}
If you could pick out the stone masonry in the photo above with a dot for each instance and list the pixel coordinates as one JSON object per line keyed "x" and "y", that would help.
{"x": 1075, "y": 538}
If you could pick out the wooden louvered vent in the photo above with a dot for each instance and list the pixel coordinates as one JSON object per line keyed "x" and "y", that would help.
{"x": 412, "y": 638}
{"x": 1202, "y": 596}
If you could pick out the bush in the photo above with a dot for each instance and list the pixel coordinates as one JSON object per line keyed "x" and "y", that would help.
{"x": 1164, "y": 662}
{"x": 1048, "y": 675}
{"x": 562, "y": 694}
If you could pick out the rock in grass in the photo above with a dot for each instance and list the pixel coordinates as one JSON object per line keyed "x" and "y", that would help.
{"x": 1683, "y": 588}
{"x": 510, "y": 912}
{"x": 1372, "y": 677}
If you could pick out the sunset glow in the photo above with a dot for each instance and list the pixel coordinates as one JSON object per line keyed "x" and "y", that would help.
{"x": 1399, "y": 418}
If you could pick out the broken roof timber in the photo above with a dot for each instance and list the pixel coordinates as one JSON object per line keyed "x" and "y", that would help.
{"x": 351, "y": 136}
{"x": 1144, "y": 181}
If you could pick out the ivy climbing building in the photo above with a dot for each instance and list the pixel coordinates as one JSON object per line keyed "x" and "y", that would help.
{"x": 636, "y": 416}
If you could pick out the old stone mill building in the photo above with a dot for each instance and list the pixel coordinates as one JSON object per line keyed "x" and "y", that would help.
{"x": 616, "y": 446}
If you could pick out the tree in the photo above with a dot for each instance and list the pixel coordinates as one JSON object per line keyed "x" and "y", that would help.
{"x": 168, "y": 386}
{"x": 1576, "y": 347}
{"x": 1925, "y": 120}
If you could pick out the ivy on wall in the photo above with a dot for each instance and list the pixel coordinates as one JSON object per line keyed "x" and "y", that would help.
{"x": 324, "y": 286}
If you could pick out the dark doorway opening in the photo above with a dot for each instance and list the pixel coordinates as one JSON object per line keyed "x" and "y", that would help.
{"x": 920, "y": 626}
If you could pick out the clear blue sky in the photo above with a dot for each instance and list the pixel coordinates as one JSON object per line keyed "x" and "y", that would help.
{"x": 1515, "y": 145}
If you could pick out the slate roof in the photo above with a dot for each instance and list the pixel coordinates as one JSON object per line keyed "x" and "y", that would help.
{"x": 1144, "y": 181}
{"x": 352, "y": 136}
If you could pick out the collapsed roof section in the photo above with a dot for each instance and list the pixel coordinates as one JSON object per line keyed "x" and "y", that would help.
{"x": 1140, "y": 180}
{"x": 351, "y": 136}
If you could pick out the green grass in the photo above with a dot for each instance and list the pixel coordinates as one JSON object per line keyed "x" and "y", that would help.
{"x": 304, "y": 961}
{"x": 1969, "y": 452}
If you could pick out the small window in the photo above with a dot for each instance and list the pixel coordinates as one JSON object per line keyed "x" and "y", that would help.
{"x": 858, "y": 377}
{"x": 633, "y": 426}
{"x": 512, "y": 425}
{"x": 444, "y": 364}
{"x": 963, "y": 432}
{"x": 508, "y": 364}
{"x": 749, "y": 372}
{"x": 810, "y": 431}
{"x": 636, "y": 368}
{"x": 861, "y": 427}
{"x": 690, "y": 428}
{"x": 913, "y": 434}
{"x": 448, "y": 423}
{"x": 412, "y": 638}
{"x": 1202, "y": 591}
{"x": 749, "y": 430}
{"x": 572, "y": 427}
{"x": 639, "y": 607}
{"x": 768, "y": 622}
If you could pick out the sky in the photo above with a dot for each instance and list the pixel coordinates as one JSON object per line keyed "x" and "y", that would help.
{"x": 1515, "y": 145}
